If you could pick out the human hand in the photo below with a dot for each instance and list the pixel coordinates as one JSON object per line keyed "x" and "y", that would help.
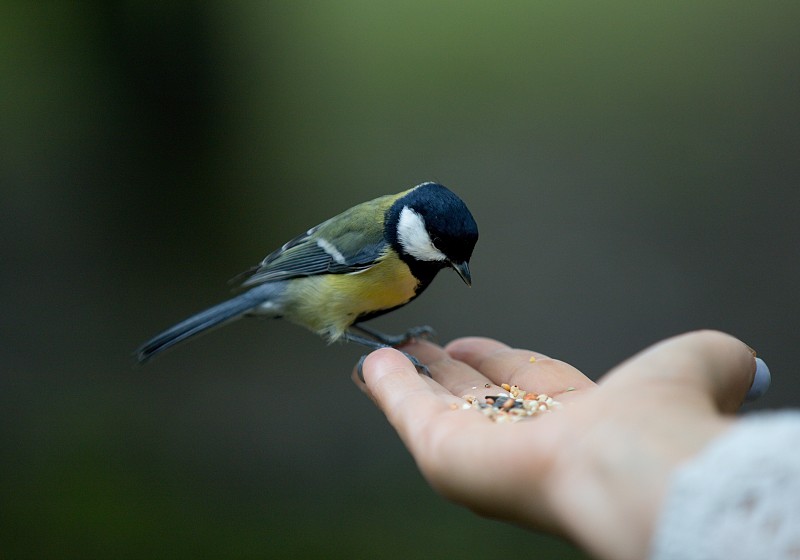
{"x": 595, "y": 470}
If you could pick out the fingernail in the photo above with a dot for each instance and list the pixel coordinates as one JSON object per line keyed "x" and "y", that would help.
{"x": 360, "y": 366}
{"x": 761, "y": 381}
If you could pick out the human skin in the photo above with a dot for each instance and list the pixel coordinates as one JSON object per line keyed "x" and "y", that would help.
{"x": 594, "y": 471}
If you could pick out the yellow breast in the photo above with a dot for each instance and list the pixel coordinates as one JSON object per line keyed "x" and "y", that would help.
{"x": 328, "y": 304}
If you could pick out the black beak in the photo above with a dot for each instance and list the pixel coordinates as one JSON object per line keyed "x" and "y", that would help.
{"x": 462, "y": 269}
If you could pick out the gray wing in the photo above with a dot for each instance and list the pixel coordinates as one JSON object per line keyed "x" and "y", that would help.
{"x": 310, "y": 254}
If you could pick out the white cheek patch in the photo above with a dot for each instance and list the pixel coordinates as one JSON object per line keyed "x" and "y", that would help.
{"x": 414, "y": 238}
{"x": 328, "y": 247}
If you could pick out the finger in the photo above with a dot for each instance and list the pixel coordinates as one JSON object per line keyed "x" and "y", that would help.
{"x": 436, "y": 433}
{"x": 425, "y": 351}
{"x": 408, "y": 399}
{"x": 473, "y": 349}
{"x": 448, "y": 443}
{"x": 357, "y": 376}
{"x": 707, "y": 364}
{"x": 761, "y": 382}
{"x": 458, "y": 377}
{"x": 531, "y": 371}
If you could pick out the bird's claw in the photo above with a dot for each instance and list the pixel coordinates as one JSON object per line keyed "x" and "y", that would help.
{"x": 421, "y": 368}
{"x": 423, "y": 332}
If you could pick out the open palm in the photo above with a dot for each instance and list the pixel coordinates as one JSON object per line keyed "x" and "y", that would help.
{"x": 594, "y": 470}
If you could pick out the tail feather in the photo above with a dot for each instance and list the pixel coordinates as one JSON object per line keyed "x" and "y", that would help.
{"x": 216, "y": 316}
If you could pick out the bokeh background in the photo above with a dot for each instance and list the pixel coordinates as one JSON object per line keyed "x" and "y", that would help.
{"x": 633, "y": 167}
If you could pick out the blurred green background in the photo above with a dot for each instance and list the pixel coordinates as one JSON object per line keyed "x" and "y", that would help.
{"x": 633, "y": 167}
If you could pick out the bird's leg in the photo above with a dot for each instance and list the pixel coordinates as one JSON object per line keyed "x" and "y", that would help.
{"x": 395, "y": 340}
{"x": 376, "y": 344}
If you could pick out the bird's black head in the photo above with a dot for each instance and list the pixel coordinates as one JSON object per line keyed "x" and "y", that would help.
{"x": 431, "y": 228}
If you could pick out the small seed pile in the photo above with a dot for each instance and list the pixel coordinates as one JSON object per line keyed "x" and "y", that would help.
{"x": 512, "y": 406}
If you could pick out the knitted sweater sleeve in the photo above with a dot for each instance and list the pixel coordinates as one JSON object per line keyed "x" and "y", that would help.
{"x": 738, "y": 499}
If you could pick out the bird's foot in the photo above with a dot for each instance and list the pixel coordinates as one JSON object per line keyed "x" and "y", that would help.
{"x": 396, "y": 340}
{"x": 421, "y": 368}
{"x": 381, "y": 340}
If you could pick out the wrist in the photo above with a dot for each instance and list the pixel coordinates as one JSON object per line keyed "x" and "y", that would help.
{"x": 604, "y": 514}
{"x": 610, "y": 476}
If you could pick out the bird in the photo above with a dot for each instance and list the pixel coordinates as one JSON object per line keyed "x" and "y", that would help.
{"x": 367, "y": 261}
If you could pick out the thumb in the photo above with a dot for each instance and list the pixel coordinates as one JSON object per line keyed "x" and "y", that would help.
{"x": 709, "y": 364}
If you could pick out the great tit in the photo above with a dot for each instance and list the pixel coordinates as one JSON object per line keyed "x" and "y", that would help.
{"x": 369, "y": 260}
